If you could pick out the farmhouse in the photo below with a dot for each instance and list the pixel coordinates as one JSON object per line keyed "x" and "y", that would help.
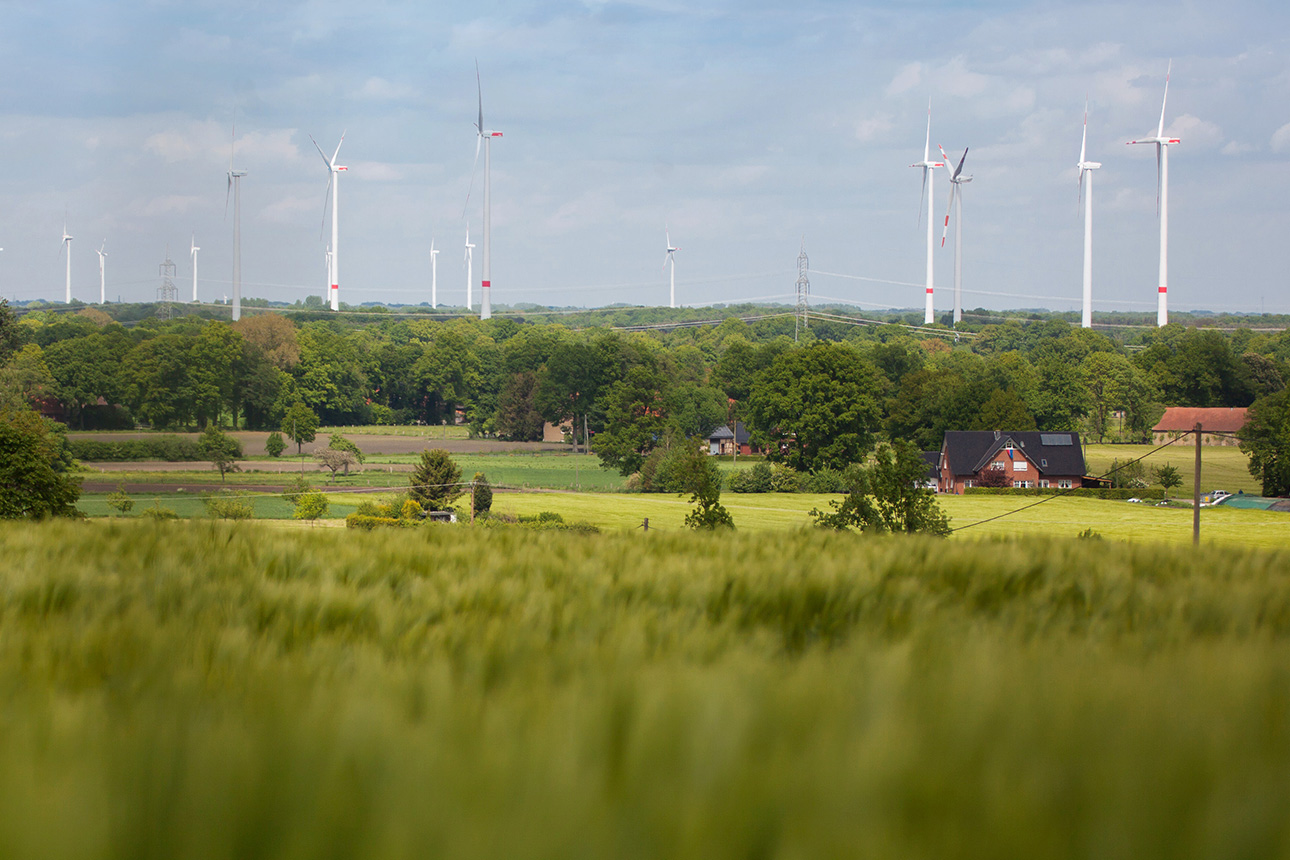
{"x": 723, "y": 440}
{"x": 1178, "y": 420}
{"x": 1010, "y": 459}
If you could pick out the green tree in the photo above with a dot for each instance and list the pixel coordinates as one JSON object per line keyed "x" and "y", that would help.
{"x": 482, "y": 494}
{"x": 35, "y": 468}
{"x": 1168, "y": 477}
{"x": 436, "y": 480}
{"x": 300, "y": 425}
{"x": 310, "y": 506}
{"x": 221, "y": 449}
{"x": 10, "y": 335}
{"x": 702, "y": 480}
{"x": 820, "y": 403}
{"x": 888, "y": 496}
{"x": 120, "y": 501}
{"x": 274, "y": 445}
{"x": 635, "y": 418}
{"x": 518, "y": 418}
{"x": 334, "y": 460}
{"x": 1265, "y": 439}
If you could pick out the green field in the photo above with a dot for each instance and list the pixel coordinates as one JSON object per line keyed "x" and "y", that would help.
{"x": 1222, "y": 467}
{"x": 237, "y": 691}
{"x": 443, "y": 431}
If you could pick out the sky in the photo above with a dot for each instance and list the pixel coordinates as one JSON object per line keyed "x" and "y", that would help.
{"x": 744, "y": 128}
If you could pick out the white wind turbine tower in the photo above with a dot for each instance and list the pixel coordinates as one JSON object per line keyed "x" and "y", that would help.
{"x": 192, "y": 252}
{"x": 333, "y": 185}
{"x": 235, "y": 188}
{"x": 670, "y": 257}
{"x": 1086, "y": 193}
{"x": 1162, "y": 202}
{"x": 929, "y": 172}
{"x": 67, "y": 247}
{"x": 957, "y": 179}
{"x": 434, "y": 276}
{"x": 102, "y": 282}
{"x": 485, "y": 138}
{"x": 470, "y": 259}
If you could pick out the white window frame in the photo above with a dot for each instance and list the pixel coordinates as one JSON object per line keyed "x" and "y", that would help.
{"x": 998, "y": 465}
{"x": 1043, "y": 483}
{"x": 1065, "y": 483}
{"x": 1020, "y": 465}
{"x": 1021, "y": 485}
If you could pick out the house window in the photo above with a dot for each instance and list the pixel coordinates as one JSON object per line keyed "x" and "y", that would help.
{"x": 1064, "y": 483}
{"x": 998, "y": 465}
{"x": 967, "y": 484}
{"x": 1043, "y": 483}
{"x": 1021, "y": 485}
{"x": 1019, "y": 466}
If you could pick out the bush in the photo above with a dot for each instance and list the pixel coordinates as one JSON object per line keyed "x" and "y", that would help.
{"x": 1083, "y": 492}
{"x": 785, "y": 479}
{"x": 367, "y": 523}
{"x": 157, "y": 512}
{"x": 310, "y": 506}
{"x": 171, "y": 449}
{"x": 296, "y": 488}
{"x": 411, "y": 510}
{"x": 120, "y": 501}
{"x": 274, "y": 444}
{"x": 236, "y": 507}
{"x": 825, "y": 480}
{"x": 758, "y": 479}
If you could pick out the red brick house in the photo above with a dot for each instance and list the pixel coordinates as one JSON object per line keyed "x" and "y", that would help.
{"x": 1027, "y": 459}
{"x": 1178, "y": 420}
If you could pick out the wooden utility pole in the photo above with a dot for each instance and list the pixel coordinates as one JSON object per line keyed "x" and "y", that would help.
{"x": 1195, "y": 493}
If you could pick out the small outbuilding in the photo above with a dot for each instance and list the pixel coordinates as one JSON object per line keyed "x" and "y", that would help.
{"x": 723, "y": 440}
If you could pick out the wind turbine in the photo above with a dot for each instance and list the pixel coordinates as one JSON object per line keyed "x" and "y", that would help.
{"x": 327, "y": 266}
{"x": 67, "y": 247}
{"x": 670, "y": 257}
{"x": 102, "y": 283}
{"x": 485, "y": 138}
{"x": 470, "y": 259}
{"x": 192, "y": 251}
{"x": 929, "y": 173}
{"x": 956, "y": 196}
{"x": 333, "y": 185}
{"x": 235, "y": 187}
{"x": 434, "y": 276}
{"x": 1086, "y": 194}
{"x": 1162, "y": 201}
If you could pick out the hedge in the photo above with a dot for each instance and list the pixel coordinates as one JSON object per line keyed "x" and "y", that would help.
{"x": 367, "y": 523}
{"x": 169, "y": 448}
{"x": 1085, "y": 492}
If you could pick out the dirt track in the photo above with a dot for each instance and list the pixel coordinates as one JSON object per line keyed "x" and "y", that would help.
{"x": 253, "y": 443}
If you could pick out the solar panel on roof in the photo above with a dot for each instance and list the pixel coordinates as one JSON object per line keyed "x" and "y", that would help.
{"x": 1055, "y": 439}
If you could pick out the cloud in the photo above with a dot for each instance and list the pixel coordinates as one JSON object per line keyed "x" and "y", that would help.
{"x": 906, "y": 79}
{"x": 873, "y": 127}
{"x": 171, "y": 146}
{"x": 285, "y": 210}
{"x": 172, "y": 204}
{"x": 1281, "y": 139}
{"x": 379, "y": 89}
{"x": 1195, "y": 131}
{"x": 375, "y": 171}
{"x": 1234, "y": 148}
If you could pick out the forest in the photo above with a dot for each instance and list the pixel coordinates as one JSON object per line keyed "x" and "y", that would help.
{"x": 820, "y": 401}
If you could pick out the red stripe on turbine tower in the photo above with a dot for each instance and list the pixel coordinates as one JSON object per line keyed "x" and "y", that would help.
{"x": 487, "y": 283}
{"x": 1163, "y": 289}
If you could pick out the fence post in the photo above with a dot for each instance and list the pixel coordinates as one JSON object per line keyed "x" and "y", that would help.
{"x": 1195, "y": 492}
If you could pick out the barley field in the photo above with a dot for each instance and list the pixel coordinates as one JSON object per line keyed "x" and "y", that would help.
{"x": 213, "y": 690}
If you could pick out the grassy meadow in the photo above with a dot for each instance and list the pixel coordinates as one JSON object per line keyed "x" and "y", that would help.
{"x": 1222, "y": 467}
{"x": 236, "y": 691}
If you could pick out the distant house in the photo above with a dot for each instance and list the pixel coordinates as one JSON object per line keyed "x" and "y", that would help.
{"x": 932, "y": 480}
{"x": 1179, "y": 420}
{"x": 723, "y": 440}
{"x": 1026, "y": 459}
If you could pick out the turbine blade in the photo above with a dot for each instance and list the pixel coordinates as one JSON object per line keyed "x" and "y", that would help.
{"x": 927, "y": 144}
{"x": 227, "y": 191}
{"x": 322, "y": 230}
{"x": 320, "y": 151}
{"x": 479, "y": 141}
{"x": 959, "y": 169}
{"x": 1160, "y": 129}
{"x": 954, "y": 189}
{"x": 922, "y": 195}
{"x": 480, "y": 88}
{"x": 1083, "y": 140}
{"x": 332, "y": 163}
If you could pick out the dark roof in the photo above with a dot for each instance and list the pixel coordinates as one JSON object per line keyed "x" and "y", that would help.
{"x": 1221, "y": 420}
{"x": 741, "y": 434}
{"x": 933, "y": 460}
{"x": 968, "y": 451}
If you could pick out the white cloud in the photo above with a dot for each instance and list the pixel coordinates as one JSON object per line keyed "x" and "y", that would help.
{"x": 375, "y": 171}
{"x": 171, "y": 146}
{"x": 172, "y": 204}
{"x": 873, "y": 127}
{"x": 286, "y": 209}
{"x": 1234, "y": 148}
{"x": 379, "y": 89}
{"x": 1281, "y": 139}
{"x": 906, "y": 79}
{"x": 1195, "y": 131}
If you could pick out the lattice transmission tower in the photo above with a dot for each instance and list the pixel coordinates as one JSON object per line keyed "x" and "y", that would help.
{"x": 167, "y": 293}
{"x": 803, "y": 291}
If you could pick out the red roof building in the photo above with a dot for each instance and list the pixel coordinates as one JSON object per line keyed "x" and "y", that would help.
{"x": 1216, "y": 424}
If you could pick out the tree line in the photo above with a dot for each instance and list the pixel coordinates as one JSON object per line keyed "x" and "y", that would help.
{"x": 823, "y": 402}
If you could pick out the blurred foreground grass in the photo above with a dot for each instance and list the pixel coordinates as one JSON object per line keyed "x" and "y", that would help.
{"x": 211, "y": 690}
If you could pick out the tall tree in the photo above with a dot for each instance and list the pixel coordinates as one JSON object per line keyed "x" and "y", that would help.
{"x": 817, "y": 406}
{"x": 300, "y": 425}
{"x": 36, "y": 480}
{"x": 436, "y": 480}
{"x": 888, "y": 496}
{"x": 1265, "y": 439}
